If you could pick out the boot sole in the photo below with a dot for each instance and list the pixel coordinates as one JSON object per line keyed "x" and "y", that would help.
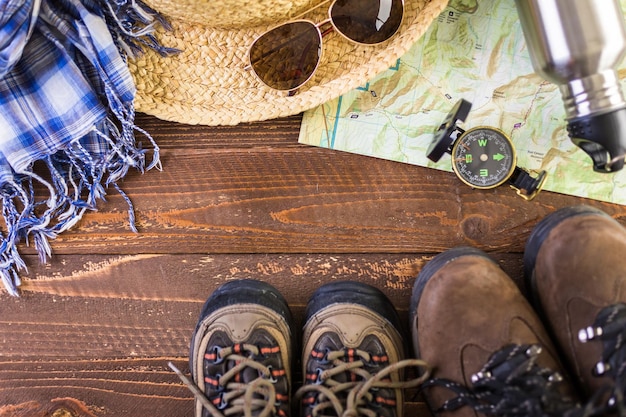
{"x": 540, "y": 233}
{"x": 431, "y": 269}
{"x": 349, "y": 292}
{"x": 245, "y": 291}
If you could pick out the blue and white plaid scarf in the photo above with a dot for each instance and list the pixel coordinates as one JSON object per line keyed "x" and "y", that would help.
{"x": 66, "y": 114}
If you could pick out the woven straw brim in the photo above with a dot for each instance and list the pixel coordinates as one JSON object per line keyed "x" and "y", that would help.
{"x": 207, "y": 83}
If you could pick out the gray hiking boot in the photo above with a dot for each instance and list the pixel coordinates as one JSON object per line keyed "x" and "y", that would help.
{"x": 240, "y": 357}
{"x": 353, "y": 354}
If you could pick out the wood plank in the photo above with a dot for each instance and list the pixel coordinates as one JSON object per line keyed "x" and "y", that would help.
{"x": 281, "y": 132}
{"x": 102, "y": 328}
{"x": 123, "y": 387}
{"x": 190, "y": 277}
{"x": 112, "y": 387}
{"x": 290, "y": 200}
{"x": 56, "y": 407}
{"x": 147, "y": 305}
{"x": 112, "y": 306}
{"x": 100, "y": 320}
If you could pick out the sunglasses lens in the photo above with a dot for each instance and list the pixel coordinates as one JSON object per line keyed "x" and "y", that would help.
{"x": 287, "y": 56}
{"x": 367, "y": 21}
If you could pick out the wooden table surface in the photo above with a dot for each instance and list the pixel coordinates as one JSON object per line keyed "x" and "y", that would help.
{"x": 95, "y": 327}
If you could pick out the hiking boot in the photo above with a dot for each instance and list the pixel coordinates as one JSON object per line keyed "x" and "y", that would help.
{"x": 353, "y": 354}
{"x": 488, "y": 350}
{"x": 575, "y": 263}
{"x": 240, "y": 357}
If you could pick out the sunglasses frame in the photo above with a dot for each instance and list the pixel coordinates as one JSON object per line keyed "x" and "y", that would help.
{"x": 321, "y": 35}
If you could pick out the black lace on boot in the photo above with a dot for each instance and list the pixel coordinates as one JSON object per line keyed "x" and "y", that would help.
{"x": 609, "y": 328}
{"x": 511, "y": 384}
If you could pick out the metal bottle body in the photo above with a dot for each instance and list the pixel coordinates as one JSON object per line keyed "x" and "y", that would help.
{"x": 578, "y": 44}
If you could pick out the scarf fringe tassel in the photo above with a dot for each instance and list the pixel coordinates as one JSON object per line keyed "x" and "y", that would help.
{"x": 75, "y": 177}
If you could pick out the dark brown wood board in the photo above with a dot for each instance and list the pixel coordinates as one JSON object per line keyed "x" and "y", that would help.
{"x": 97, "y": 324}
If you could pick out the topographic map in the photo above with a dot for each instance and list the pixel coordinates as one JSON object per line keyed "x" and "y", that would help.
{"x": 475, "y": 50}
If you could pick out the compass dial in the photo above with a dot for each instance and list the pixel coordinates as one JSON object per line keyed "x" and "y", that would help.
{"x": 483, "y": 157}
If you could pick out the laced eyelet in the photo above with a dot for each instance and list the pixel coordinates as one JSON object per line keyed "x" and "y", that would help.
{"x": 478, "y": 376}
{"x": 223, "y": 404}
{"x": 318, "y": 379}
{"x": 324, "y": 360}
{"x": 218, "y": 358}
{"x": 270, "y": 376}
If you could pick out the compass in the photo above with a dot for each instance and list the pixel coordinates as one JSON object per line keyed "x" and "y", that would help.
{"x": 482, "y": 157}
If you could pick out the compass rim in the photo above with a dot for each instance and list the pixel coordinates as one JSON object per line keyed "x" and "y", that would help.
{"x": 501, "y": 133}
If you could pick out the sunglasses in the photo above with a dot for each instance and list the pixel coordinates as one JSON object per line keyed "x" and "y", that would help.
{"x": 286, "y": 57}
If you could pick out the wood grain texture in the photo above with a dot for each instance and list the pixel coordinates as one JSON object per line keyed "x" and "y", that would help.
{"x": 99, "y": 321}
{"x": 293, "y": 198}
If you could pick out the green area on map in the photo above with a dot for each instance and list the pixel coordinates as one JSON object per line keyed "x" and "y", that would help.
{"x": 475, "y": 50}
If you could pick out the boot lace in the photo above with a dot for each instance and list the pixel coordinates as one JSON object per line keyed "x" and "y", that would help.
{"x": 257, "y": 397}
{"x": 332, "y": 394}
{"x": 609, "y": 328}
{"x": 510, "y": 384}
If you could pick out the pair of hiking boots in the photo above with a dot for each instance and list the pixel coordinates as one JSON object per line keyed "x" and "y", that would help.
{"x": 479, "y": 346}
{"x": 353, "y": 354}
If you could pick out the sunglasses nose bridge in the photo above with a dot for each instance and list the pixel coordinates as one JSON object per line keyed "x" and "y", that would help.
{"x": 327, "y": 22}
{"x": 323, "y": 22}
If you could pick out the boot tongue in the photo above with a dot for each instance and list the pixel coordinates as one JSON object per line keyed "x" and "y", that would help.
{"x": 248, "y": 375}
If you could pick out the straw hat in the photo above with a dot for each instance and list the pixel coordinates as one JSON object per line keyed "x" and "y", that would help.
{"x": 207, "y": 83}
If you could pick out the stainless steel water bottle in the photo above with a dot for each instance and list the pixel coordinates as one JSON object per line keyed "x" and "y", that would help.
{"x": 578, "y": 44}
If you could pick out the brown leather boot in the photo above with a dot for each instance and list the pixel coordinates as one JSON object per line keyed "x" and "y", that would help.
{"x": 353, "y": 354}
{"x": 488, "y": 350}
{"x": 575, "y": 262}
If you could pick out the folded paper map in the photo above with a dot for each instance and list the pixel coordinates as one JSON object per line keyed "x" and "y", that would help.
{"x": 475, "y": 50}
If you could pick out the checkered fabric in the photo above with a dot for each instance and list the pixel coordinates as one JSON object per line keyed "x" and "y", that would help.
{"x": 66, "y": 114}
